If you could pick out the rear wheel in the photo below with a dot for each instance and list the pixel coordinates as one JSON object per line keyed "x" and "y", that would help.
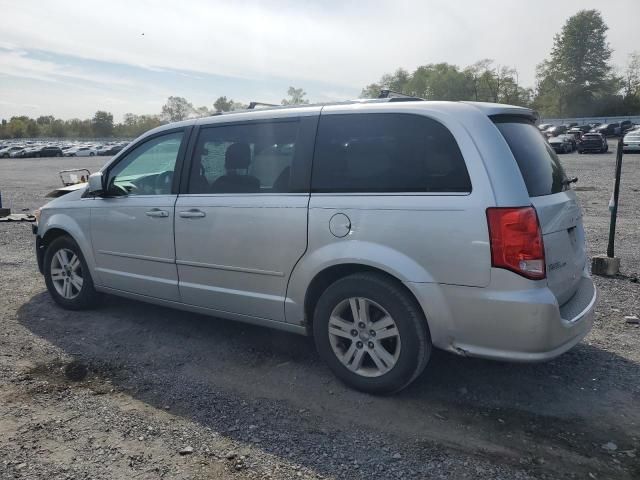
{"x": 371, "y": 333}
{"x": 67, "y": 276}
{"x": 91, "y": 154}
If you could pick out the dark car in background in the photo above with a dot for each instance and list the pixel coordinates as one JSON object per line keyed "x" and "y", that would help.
{"x": 46, "y": 151}
{"x": 555, "y": 131}
{"x": 562, "y": 143}
{"x": 626, "y": 125}
{"x": 111, "y": 150}
{"x": 607, "y": 129}
{"x": 593, "y": 142}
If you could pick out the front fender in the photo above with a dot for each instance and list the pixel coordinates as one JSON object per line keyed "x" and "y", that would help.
{"x": 357, "y": 252}
{"x": 77, "y": 226}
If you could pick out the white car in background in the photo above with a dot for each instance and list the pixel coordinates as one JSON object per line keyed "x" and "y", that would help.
{"x": 631, "y": 142}
{"x": 81, "y": 152}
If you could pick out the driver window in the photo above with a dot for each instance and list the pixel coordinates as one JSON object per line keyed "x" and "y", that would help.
{"x": 148, "y": 169}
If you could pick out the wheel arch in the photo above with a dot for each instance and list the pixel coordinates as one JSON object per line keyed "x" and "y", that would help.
{"x": 329, "y": 275}
{"x": 60, "y": 224}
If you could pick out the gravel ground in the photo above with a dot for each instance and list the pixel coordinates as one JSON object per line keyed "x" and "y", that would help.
{"x": 137, "y": 391}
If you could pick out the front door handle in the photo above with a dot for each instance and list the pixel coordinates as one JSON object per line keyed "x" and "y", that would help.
{"x": 193, "y": 213}
{"x": 156, "y": 212}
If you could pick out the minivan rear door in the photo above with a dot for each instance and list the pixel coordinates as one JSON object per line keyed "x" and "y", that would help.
{"x": 556, "y": 204}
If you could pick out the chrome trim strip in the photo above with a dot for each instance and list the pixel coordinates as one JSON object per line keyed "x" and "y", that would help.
{"x": 229, "y": 268}
{"x": 137, "y": 257}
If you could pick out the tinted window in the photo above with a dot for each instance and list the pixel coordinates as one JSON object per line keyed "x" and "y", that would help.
{"x": 540, "y": 167}
{"x": 148, "y": 168}
{"x": 250, "y": 158}
{"x": 387, "y": 153}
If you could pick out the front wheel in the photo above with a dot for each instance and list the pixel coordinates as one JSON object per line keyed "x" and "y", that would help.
{"x": 371, "y": 333}
{"x": 91, "y": 154}
{"x": 67, "y": 276}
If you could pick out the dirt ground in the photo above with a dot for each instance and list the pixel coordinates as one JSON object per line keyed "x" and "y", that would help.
{"x": 131, "y": 390}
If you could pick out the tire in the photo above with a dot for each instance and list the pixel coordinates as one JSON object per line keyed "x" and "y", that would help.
{"x": 91, "y": 154}
{"x": 78, "y": 298}
{"x": 407, "y": 341}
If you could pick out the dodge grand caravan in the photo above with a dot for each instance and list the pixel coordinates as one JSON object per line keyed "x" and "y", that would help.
{"x": 382, "y": 228}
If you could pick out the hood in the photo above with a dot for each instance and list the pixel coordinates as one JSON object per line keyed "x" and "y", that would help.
{"x": 59, "y": 192}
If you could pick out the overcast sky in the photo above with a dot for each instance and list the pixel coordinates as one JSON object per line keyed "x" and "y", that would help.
{"x": 71, "y": 58}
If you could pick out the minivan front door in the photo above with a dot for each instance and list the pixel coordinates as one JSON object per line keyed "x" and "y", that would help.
{"x": 132, "y": 225}
{"x": 241, "y": 225}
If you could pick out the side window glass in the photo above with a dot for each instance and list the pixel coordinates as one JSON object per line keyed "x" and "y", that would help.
{"x": 148, "y": 169}
{"x": 387, "y": 152}
{"x": 251, "y": 158}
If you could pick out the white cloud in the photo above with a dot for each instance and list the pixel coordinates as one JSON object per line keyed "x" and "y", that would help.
{"x": 344, "y": 44}
{"x": 17, "y": 63}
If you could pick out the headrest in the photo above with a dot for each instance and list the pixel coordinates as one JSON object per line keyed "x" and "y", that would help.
{"x": 238, "y": 155}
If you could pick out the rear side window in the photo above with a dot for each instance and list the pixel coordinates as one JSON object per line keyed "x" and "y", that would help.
{"x": 380, "y": 152}
{"x": 540, "y": 167}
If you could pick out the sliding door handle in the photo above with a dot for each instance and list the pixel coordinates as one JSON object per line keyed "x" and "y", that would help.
{"x": 193, "y": 213}
{"x": 157, "y": 213}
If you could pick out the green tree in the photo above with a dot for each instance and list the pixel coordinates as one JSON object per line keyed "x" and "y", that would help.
{"x": 222, "y": 104}
{"x": 32, "y": 129}
{"x": 577, "y": 73}
{"x": 296, "y": 97}
{"x": 102, "y": 124}
{"x": 176, "y": 109}
{"x": 202, "y": 112}
{"x": 17, "y": 127}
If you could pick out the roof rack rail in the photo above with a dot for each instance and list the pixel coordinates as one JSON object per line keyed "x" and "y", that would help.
{"x": 396, "y": 96}
{"x": 253, "y": 105}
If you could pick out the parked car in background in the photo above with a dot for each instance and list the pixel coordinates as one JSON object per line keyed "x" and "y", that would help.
{"x": 17, "y": 152}
{"x": 607, "y": 129}
{"x": 570, "y": 125}
{"x": 111, "y": 150}
{"x": 576, "y": 134}
{"x": 555, "y": 131}
{"x": 593, "y": 142}
{"x": 46, "y": 151}
{"x": 544, "y": 126}
{"x": 631, "y": 142}
{"x": 626, "y": 125}
{"x": 80, "y": 152}
{"x": 584, "y": 128}
{"x": 326, "y": 258}
{"x": 6, "y": 152}
{"x": 562, "y": 143}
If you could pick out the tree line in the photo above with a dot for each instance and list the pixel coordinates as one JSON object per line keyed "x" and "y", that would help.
{"x": 132, "y": 125}
{"x": 577, "y": 79}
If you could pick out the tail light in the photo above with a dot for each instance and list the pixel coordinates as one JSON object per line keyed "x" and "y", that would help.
{"x": 516, "y": 241}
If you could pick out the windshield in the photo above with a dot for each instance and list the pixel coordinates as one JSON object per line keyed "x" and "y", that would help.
{"x": 540, "y": 167}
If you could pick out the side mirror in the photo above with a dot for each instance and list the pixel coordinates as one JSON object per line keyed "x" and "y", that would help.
{"x": 96, "y": 184}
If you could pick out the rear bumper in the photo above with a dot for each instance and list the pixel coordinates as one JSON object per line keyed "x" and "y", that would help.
{"x": 522, "y": 325}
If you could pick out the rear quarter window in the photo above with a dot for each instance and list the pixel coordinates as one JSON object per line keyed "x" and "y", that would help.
{"x": 387, "y": 152}
{"x": 538, "y": 163}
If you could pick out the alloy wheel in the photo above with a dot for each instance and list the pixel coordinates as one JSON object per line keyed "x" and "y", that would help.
{"x": 66, "y": 273}
{"x": 364, "y": 337}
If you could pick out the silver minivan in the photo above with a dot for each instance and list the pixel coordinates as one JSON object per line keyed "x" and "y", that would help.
{"x": 383, "y": 228}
